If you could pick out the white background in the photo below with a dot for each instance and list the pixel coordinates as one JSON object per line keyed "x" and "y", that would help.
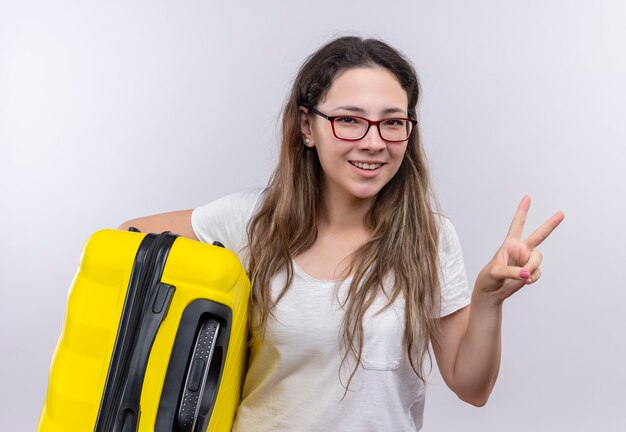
{"x": 112, "y": 110}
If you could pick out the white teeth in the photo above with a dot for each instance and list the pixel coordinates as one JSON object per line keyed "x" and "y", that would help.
{"x": 366, "y": 166}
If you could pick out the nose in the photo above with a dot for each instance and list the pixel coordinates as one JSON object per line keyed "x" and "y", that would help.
{"x": 372, "y": 140}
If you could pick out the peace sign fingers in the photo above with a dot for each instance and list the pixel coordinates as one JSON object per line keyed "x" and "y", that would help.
{"x": 540, "y": 234}
{"x": 544, "y": 230}
{"x": 515, "y": 264}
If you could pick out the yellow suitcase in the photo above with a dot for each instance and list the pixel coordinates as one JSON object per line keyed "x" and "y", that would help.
{"x": 154, "y": 338}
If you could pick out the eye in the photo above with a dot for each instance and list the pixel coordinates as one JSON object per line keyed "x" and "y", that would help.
{"x": 346, "y": 120}
{"x": 394, "y": 123}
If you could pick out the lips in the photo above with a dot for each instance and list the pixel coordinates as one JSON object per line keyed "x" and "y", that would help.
{"x": 368, "y": 166}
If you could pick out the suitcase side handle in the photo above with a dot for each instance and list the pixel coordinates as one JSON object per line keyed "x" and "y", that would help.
{"x": 188, "y": 338}
{"x": 202, "y": 376}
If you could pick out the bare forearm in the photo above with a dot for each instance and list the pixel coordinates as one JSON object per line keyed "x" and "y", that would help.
{"x": 177, "y": 221}
{"x": 478, "y": 359}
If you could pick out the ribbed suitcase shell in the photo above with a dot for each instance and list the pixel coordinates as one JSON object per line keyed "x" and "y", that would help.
{"x": 83, "y": 353}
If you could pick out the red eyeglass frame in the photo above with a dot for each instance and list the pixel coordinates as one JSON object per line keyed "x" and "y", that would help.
{"x": 370, "y": 123}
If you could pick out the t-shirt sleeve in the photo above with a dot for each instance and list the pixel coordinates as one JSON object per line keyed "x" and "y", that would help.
{"x": 455, "y": 289}
{"x": 225, "y": 220}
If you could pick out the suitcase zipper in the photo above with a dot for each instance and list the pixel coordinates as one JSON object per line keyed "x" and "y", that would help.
{"x": 144, "y": 308}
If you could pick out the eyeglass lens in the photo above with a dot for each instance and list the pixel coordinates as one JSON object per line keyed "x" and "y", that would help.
{"x": 355, "y": 128}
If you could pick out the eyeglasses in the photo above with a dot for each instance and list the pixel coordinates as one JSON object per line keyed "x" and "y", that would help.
{"x": 352, "y": 128}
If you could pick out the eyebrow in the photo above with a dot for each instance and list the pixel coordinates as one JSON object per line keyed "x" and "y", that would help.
{"x": 359, "y": 110}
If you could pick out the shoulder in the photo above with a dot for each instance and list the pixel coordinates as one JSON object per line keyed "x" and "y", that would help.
{"x": 237, "y": 204}
{"x": 226, "y": 218}
{"x": 448, "y": 237}
{"x": 455, "y": 289}
{"x": 241, "y": 200}
{"x": 450, "y": 252}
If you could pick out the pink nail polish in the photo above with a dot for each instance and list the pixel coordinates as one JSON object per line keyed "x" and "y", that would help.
{"x": 524, "y": 274}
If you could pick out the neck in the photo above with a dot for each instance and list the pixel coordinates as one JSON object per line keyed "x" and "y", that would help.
{"x": 344, "y": 213}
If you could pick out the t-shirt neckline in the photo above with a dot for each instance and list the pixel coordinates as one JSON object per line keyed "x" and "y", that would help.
{"x": 310, "y": 278}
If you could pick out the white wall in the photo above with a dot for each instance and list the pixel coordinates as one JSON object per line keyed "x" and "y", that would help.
{"x": 111, "y": 110}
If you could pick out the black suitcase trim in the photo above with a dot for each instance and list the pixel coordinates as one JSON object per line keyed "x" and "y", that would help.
{"x": 145, "y": 307}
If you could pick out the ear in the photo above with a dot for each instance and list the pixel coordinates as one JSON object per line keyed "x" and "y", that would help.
{"x": 306, "y": 127}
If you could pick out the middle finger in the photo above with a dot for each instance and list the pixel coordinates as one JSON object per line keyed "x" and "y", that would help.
{"x": 544, "y": 230}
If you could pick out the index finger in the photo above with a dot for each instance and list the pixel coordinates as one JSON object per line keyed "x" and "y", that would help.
{"x": 544, "y": 230}
{"x": 519, "y": 219}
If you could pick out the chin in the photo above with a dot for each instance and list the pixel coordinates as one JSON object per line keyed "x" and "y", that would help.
{"x": 366, "y": 193}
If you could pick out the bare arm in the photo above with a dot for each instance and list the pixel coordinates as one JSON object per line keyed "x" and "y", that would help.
{"x": 179, "y": 222}
{"x": 468, "y": 351}
{"x": 468, "y": 344}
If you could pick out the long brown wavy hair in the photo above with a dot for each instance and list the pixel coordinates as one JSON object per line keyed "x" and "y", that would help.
{"x": 405, "y": 233}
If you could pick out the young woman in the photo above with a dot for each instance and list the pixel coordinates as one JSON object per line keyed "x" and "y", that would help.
{"x": 354, "y": 271}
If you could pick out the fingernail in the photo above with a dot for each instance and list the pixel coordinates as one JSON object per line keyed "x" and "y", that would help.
{"x": 524, "y": 274}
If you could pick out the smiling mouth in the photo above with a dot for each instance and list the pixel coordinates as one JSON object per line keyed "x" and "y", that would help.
{"x": 366, "y": 166}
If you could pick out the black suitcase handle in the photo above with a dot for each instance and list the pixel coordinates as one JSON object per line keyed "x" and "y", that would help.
{"x": 202, "y": 376}
{"x": 185, "y": 406}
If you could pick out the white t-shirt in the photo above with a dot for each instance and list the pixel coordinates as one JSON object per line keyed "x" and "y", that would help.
{"x": 294, "y": 380}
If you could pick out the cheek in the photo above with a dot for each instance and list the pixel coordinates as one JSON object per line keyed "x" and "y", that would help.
{"x": 397, "y": 156}
{"x": 328, "y": 157}
{"x": 333, "y": 152}
{"x": 398, "y": 153}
